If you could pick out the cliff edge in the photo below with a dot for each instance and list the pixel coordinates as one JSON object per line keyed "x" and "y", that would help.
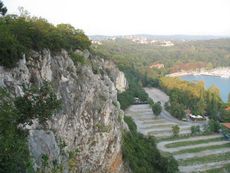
{"x": 85, "y": 135}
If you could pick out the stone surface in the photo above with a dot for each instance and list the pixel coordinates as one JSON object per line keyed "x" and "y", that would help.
{"x": 89, "y": 118}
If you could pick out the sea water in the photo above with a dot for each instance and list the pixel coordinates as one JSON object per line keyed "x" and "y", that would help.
{"x": 222, "y": 83}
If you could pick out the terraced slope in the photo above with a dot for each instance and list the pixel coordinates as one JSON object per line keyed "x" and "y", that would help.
{"x": 198, "y": 154}
{"x": 194, "y": 154}
{"x": 149, "y": 124}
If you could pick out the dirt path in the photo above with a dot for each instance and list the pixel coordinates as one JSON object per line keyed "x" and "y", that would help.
{"x": 202, "y": 153}
{"x": 162, "y": 144}
{"x": 171, "y": 150}
{"x": 203, "y": 167}
{"x": 197, "y": 167}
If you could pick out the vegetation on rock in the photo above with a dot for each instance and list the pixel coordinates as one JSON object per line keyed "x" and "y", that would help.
{"x": 21, "y": 34}
{"x": 38, "y": 103}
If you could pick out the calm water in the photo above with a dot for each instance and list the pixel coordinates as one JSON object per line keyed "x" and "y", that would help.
{"x": 222, "y": 83}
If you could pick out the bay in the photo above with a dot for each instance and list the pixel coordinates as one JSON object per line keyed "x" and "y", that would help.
{"x": 222, "y": 83}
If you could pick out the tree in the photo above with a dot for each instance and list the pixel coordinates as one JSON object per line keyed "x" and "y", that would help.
{"x": 3, "y": 9}
{"x": 14, "y": 154}
{"x": 195, "y": 130}
{"x": 214, "y": 126}
{"x": 157, "y": 108}
{"x": 177, "y": 110}
{"x": 213, "y": 102}
{"x": 175, "y": 130}
{"x": 39, "y": 103}
{"x": 10, "y": 49}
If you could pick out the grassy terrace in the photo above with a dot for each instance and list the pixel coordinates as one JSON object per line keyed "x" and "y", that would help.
{"x": 186, "y": 143}
{"x": 225, "y": 169}
{"x": 170, "y": 138}
{"x": 205, "y": 159}
{"x": 194, "y": 150}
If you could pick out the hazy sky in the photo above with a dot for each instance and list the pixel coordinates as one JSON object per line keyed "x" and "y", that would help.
{"x": 119, "y": 17}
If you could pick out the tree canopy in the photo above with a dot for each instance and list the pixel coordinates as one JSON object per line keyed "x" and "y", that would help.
{"x": 3, "y": 9}
{"x": 191, "y": 96}
{"x": 21, "y": 34}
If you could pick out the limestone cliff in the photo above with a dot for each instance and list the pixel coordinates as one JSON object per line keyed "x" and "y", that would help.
{"x": 85, "y": 135}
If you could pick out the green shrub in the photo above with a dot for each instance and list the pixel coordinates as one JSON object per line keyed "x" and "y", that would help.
{"x": 213, "y": 126}
{"x": 135, "y": 89}
{"x": 77, "y": 58}
{"x": 175, "y": 130}
{"x": 168, "y": 163}
{"x": 157, "y": 108}
{"x": 36, "y": 103}
{"x": 150, "y": 102}
{"x": 132, "y": 126}
{"x": 195, "y": 130}
{"x": 10, "y": 49}
{"x": 19, "y": 35}
{"x": 14, "y": 154}
{"x": 177, "y": 110}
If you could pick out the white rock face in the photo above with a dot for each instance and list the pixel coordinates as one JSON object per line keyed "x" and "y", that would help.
{"x": 121, "y": 83}
{"x": 89, "y": 118}
{"x": 116, "y": 76}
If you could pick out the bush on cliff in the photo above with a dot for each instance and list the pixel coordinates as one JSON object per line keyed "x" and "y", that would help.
{"x": 37, "y": 103}
{"x": 20, "y": 34}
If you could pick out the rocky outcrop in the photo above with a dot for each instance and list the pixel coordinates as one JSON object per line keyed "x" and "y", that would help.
{"x": 85, "y": 135}
{"x": 116, "y": 76}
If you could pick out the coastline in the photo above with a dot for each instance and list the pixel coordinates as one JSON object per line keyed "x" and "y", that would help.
{"x": 223, "y": 72}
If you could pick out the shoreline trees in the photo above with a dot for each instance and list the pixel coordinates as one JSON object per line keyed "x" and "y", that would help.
{"x": 192, "y": 97}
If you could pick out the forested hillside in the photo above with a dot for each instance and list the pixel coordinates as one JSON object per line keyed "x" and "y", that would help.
{"x": 183, "y": 55}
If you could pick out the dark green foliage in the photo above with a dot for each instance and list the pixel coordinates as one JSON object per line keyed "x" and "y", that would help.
{"x": 77, "y": 58}
{"x": 142, "y": 155}
{"x": 175, "y": 130}
{"x": 14, "y": 154}
{"x": 3, "y": 9}
{"x": 150, "y": 101}
{"x": 213, "y": 126}
{"x": 195, "y": 130}
{"x": 20, "y": 34}
{"x": 170, "y": 163}
{"x": 157, "y": 108}
{"x": 38, "y": 103}
{"x": 132, "y": 126}
{"x": 135, "y": 89}
{"x": 10, "y": 49}
{"x": 177, "y": 110}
